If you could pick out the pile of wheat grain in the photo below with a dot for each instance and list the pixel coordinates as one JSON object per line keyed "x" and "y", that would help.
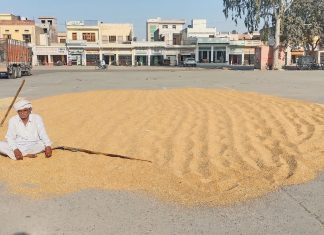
{"x": 207, "y": 146}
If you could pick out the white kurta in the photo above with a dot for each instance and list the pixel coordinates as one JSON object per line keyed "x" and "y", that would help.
{"x": 29, "y": 139}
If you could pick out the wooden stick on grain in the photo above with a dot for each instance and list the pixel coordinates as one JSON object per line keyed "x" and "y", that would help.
{"x": 72, "y": 149}
{"x": 12, "y": 103}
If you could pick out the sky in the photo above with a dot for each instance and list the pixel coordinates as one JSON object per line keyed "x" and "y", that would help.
{"x": 135, "y": 12}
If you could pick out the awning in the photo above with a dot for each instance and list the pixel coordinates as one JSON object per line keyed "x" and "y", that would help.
{"x": 297, "y": 53}
{"x": 108, "y": 53}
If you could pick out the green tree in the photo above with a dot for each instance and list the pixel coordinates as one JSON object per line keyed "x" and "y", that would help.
{"x": 270, "y": 13}
{"x": 304, "y": 24}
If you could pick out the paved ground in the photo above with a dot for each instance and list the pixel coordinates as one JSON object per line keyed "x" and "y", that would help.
{"x": 293, "y": 210}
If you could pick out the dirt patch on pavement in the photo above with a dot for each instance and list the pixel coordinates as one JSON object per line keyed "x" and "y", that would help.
{"x": 207, "y": 146}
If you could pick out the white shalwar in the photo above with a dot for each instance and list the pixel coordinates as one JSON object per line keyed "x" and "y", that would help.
{"x": 29, "y": 139}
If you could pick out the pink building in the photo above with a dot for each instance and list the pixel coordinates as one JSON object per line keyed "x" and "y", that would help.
{"x": 264, "y": 57}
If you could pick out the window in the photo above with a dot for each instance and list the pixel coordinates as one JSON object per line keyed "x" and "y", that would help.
{"x": 16, "y": 30}
{"x": 165, "y": 26}
{"x": 89, "y": 37}
{"x": 43, "y": 21}
{"x": 174, "y": 26}
{"x": 62, "y": 40}
{"x": 27, "y": 38}
{"x": 8, "y": 36}
{"x": 50, "y": 22}
{"x": 74, "y": 36}
{"x": 105, "y": 39}
{"x": 120, "y": 39}
{"x": 26, "y": 30}
{"x": 322, "y": 57}
{"x": 7, "y": 30}
{"x": 112, "y": 38}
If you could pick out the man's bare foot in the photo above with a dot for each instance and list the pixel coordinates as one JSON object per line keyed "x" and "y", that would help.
{"x": 31, "y": 155}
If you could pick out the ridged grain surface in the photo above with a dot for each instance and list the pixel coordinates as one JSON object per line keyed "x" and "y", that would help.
{"x": 207, "y": 146}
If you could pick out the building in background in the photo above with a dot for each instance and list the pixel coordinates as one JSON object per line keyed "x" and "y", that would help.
{"x": 82, "y": 42}
{"x": 49, "y": 26}
{"x": 18, "y": 28}
{"x": 61, "y": 37}
{"x": 7, "y": 16}
{"x": 197, "y": 29}
{"x": 164, "y": 30}
{"x": 86, "y": 42}
{"x": 112, "y": 35}
{"x": 225, "y": 48}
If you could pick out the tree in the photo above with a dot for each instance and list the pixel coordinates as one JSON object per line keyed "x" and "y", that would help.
{"x": 304, "y": 24}
{"x": 269, "y": 12}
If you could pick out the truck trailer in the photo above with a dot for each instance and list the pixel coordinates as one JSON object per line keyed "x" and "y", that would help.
{"x": 15, "y": 58}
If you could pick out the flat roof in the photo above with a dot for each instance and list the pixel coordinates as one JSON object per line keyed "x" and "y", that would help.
{"x": 159, "y": 20}
{"x": 46, "y": 17}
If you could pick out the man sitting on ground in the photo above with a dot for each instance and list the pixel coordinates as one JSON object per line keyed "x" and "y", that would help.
{"x": 26, "y": 134}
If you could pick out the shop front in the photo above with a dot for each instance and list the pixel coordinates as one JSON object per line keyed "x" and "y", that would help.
{"x": 249, "y": 56}
{"x": 204, "y": 55}
{"x": 76, "y": 57}
{"x": 172, "y": 60}
{"x": 184, "y": 53}
{"x": 156, "y": 57}
{"x": 125, "y": 60}
{"x": 141, "y": 57}
{"x": 156, "y": 60}
{"x": 219, "y": 55}
{"x": 92, "y": 57}
{"x": 295, "y": 55}
{"x": 109, "y": 57}
{"x": 42, "y": 60}
{"x": 50, "y": 55}
{"x": 321, "y": 58}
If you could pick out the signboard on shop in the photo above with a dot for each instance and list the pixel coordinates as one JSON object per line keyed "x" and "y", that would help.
{"x": 156, "y": 52}
{"x": 236, "y": 51}
{"x": 50, "y": 50}
{"x": 76, "y": 52}
{"x": 141, "y": 52}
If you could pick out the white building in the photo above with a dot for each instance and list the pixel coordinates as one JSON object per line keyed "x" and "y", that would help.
{"x": 198, "y": 29}
{"x": 164, "y": 30}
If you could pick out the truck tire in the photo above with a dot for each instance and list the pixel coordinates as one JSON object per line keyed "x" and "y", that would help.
{"x": 19, "y": 73}
{"x": 28, "y": 72}
{"x": 14, "y": 74}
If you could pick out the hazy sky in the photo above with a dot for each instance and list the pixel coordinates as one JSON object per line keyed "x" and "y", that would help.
{"x": 123, "y": 11}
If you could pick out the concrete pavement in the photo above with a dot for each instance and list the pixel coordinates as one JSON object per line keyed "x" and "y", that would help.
{"x": 295, "y": 209}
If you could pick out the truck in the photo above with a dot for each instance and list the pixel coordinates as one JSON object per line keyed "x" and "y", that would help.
{"x": 15, "y": 58}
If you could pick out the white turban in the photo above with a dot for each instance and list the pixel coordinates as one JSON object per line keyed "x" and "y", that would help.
{"x": 22, "y": 104}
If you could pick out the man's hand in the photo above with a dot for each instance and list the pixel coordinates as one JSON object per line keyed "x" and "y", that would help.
{"x": 18, "y": 154}
{"x": 48, "y": 151}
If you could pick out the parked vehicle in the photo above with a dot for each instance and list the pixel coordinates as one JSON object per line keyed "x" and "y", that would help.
{"x": 307, "y": 62}
{"x": 189, "y": 62}
{"x": 15, "y": 58}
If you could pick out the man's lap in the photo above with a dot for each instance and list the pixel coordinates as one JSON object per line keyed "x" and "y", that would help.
{"x": 34, "y": 148}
